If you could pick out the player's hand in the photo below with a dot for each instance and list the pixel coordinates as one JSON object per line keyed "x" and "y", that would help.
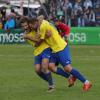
{"x": 48, "y": 34}
{"x": 37, "y": 44}
{"x": 26, "y": 36}
{"x": 37, "y": 36}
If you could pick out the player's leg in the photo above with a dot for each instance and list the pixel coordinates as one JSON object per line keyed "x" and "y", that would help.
{"x": 37, "y": 63}
{"x": 79, "y": 76}
{"x": 58, "y": 70}
{"x": 40, "y": 73}
{"x": 66, "y": 62}
{"x": 45, "y": 67}
{"x": 53, "y": 63}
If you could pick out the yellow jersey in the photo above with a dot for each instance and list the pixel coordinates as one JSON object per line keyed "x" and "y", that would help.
{"x": 37, "y": 50}
{"x": 55, "y": 41}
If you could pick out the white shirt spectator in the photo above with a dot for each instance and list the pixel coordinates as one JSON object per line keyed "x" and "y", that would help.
{"x": 66, "y": 4}
{"x": 87, "y": 3}
{"x": 77, "y": 7}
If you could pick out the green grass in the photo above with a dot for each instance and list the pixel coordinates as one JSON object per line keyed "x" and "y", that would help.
{"x": 18, "y": 80}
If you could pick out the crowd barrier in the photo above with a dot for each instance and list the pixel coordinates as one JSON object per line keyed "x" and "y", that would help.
{"x": 83, "y": 35}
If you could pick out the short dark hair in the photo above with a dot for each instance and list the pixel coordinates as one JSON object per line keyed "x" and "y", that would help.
{"x": 33, "y": 20}
{"x": 24, "y": 20}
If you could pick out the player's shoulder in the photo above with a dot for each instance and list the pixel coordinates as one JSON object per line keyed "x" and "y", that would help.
{"x": 31, "y": 33}
{"x": 44, "y": 24}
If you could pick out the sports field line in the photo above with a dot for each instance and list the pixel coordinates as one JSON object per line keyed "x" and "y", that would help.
{"x": 19, "y": 55}
{"x": 72, "y": 46}
{"x": 12, "y": 55}
{"x": 85, "y": 58}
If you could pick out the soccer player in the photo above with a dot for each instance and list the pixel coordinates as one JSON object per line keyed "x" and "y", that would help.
{"x": 64, "y": 33}
{"x": 60, "y": 49}
{"x": 53, "y": 68}
{"x": 41, "y": 52}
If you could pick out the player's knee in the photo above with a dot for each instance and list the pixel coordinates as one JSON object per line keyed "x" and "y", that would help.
{"x": 68, "y": 68}
{"x": 52, "y": 68}
{"x": 45, "y": 65}
{"x": 37, "y": 70}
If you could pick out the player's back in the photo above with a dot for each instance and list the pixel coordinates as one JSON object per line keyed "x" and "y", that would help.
{"x": 54, "y": 41}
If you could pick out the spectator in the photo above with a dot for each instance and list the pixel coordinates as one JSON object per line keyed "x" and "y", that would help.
{"x": 10, "y": 23}
{"x": 66, "y": 4}
{"x": 78, "y": 13}
{"x": 87, "y": 4}
{"x": 91, "y": 15}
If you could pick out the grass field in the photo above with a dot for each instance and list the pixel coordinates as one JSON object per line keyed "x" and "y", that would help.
{"x": 18, "y": 80}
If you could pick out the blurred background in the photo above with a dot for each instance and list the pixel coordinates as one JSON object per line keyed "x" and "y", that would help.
{"x": 79, "y": 15}
{"x": 72, "y": 12}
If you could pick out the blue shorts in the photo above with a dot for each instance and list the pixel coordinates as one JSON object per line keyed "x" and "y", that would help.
{"x": 45, "y": 54}
{"x": 63, "y": 57}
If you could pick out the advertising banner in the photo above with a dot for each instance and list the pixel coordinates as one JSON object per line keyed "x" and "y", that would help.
{"x": 86, "y": 35}
{"x": 78, "y": 35}
{"x": 13, "y": 36}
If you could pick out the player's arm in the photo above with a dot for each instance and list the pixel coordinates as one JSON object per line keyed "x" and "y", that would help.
{"x": 48, "y": 34}
{"x": 45, "y": 31}
{"x": 25, "y": 36}
{"x": 34, "y": 39}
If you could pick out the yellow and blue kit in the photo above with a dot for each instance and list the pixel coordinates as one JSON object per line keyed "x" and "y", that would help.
{"x": 57, "y": 44}
{"x": 40, "y": 52}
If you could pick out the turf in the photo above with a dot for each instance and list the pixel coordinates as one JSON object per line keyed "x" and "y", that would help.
{"x": 18, "y": 80}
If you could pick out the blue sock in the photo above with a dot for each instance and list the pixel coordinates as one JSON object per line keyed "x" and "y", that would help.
{"x": 42, "y": 75}
{"x": 49, "y": 77}
{"x": 75, "y": 73}
{"x": 62, "y": 73}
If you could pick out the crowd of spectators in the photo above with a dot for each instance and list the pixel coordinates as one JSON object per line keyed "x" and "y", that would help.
{"x": 9, "y": 20}
{"x": 76, "y": 12}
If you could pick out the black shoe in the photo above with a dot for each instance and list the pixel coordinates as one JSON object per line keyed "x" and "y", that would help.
{"x": 50, "y": 89}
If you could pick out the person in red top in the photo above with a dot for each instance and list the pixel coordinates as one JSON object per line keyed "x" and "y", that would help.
{"x": 63, "y": 29}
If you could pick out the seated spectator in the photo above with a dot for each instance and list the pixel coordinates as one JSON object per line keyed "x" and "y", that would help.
{"x": 10, "y": 23}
